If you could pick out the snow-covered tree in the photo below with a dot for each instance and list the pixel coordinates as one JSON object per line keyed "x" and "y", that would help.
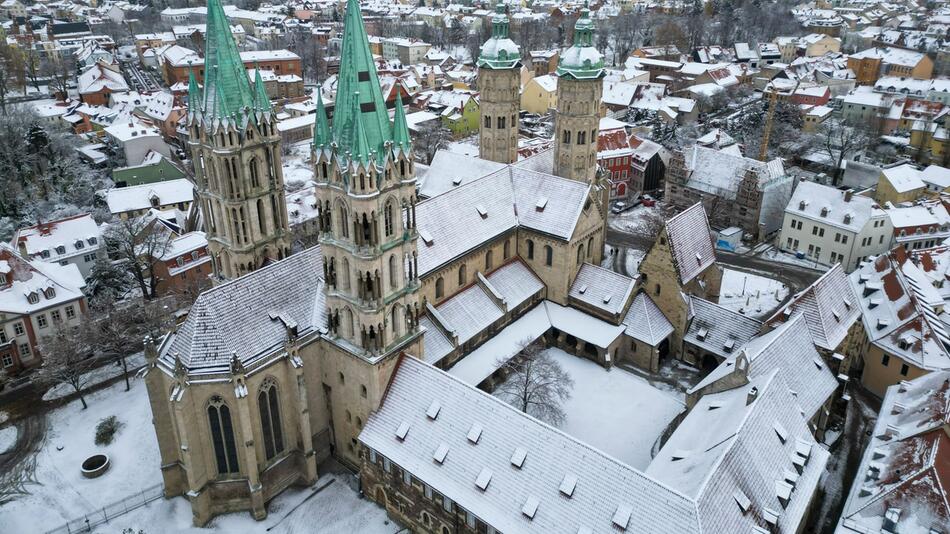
{"x": 67, "y": 358}
{"x": 536, "y": 384}
{"x": 140, "y": 242}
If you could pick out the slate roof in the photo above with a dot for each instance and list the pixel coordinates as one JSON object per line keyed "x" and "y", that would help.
{"x": 601, "y": 288}
{"x": 906, "y": 465}
{"x": 449, "y": 170}
{"x": 509, "y": 197}
{"x": 645, "y": 322}
{"x": 690, "y": 242}
{"x": 728, "y": 450}
{"x": 719, "y": 326}
{"x": 829, "y": 306}
{"x": 241, "y": 316}
{"x": 603, "y": 484}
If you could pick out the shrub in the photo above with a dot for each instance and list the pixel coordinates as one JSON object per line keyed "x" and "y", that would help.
{"x": 106, "y": 430}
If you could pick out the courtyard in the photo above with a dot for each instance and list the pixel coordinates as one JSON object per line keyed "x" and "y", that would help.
{"x": 615, "y": 411}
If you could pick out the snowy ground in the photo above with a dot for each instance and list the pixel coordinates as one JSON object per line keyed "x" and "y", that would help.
{"x": 58, "y": 492}
{"x": 7, "y": 438}
{"x": 631, "y": 220}
{"x": 777, "y": 255}
{"x": 467, "y": 146}
{"x": 96, "y": 376}
{"x": 296, "y": 166}
{"x": 615, "y": 411}
{"x": 749, "y": 294}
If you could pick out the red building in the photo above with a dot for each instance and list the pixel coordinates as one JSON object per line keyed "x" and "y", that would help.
{"x": 185, "y": 265}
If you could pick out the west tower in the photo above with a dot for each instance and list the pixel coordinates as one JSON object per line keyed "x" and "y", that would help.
{"x": 235, "y": 148}
{"x": 499, "y": 84}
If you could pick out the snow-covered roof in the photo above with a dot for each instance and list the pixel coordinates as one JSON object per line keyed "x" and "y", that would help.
{"x": 717, "y": 329}
{"x": 508, "y": 198}
{"x": 904, "y": 178}
{"x": 98, "y": 78}
{"x": 268, "y": 55}
{"x": 126, "y": 131}
{"x": 449, "y": 170}
{"x": 896, "y": 56}
{"x": 51, "y": 284}
{"x": 829, "y": 307}
{"x": 921, "y": 215}
{"x": 645, "y": 321}
{"x": 601, "y": 289}
{"x": 690, "y": 242}
{"x": 719, "y": 173}
{"x": 242, "y": 317}
{"x": 737, "y": 453}
{"x": 139, "y": 197}
{"x": 602, "y": 485}
{"x": 937, "y": 176}
{"x": 185, "y": 244}
{"x": 833, "y": 207}
{"x": 904, "y": 471}
{"x": 73, "y": 235}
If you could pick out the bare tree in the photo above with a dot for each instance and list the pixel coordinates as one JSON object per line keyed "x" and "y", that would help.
{"x": 429, "y": 140}
{"x": 840, "y": 140}
{"x": 536, "y": 384}
{"x": 66, "y": 358}
{"x": 116, "y": 328}
{"x": 60, "y": 72}
{"x": 140, "y": 243}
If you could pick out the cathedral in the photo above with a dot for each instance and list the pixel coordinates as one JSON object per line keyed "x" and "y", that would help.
{"x": 282, "y": 364}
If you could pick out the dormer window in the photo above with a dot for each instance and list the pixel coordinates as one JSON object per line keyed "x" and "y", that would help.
{"x": 61, "y": 249}
{"x": 847, "y": 218}
{"x": 80, "y": 244}
{"x": 49, "y": 292}
{"x": 44, "y": 254}
{"x": 801, "y": 205}
{"x": 824, "y": 212}
{"x": 33, "y": 297}
{"x": 93, "y": 240}
{"x": 180, "y": 261}
{"x": 3, "y": 279}
{"x": 154, "y": 201}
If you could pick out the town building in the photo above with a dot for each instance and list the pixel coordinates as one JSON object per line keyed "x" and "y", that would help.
{"x": 920, "y": 226}
{"x": 183, "y": 265}
{"x": 75, "y": 241}
{"x": 137, "y": 200}
{"x": 37, "y": 299}
{"x": 499, "y": 81}
{"x": 873, "y": 63}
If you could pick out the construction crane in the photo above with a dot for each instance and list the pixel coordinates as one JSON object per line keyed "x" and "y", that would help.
{"x": 770, "y": 118}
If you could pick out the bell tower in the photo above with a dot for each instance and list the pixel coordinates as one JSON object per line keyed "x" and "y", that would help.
{"x": 579, "y": 92}
{"x": 499, "y": 84}
{"x": 366, "y": 197}
{"x": 235, "y": 147}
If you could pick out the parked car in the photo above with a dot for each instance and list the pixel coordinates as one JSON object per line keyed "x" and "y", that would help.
{"x": 648, "y": 201}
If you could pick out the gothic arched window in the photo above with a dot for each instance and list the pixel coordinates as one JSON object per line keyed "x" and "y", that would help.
{"x": 439, "y": 288}
{"x": 530, "y": 249}
{"x": 262, "y": 225}
{"x": 253, "y": 171}
{"x": 580, "y": 254}
{"x": 463, "y": 276}
{"x": 222, "y": 436}
{"x": 270, "y": 419}
{"x": 489, "y": 262}
{"x": 388, "y": 218}
{"x": 548, "y": 255}
{"x": 393, "y": 274}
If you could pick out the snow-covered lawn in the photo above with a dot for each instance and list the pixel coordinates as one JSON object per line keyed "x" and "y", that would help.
{"x": 98, "y": 375}
{"x": 631, "y": 220}
{"x": 297, "y": 167}
{"x": 60, "y": 493}
{"x": 749, "y": 294}
{"x": 615, "y": 411}
{"x": 7, "y": 438}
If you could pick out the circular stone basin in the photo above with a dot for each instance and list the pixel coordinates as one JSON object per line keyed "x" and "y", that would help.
{"x": 95, "y": 466}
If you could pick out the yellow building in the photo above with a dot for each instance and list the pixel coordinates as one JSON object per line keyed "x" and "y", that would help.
{"x": 539, "y": 94}
{"x": 900, "y": 183}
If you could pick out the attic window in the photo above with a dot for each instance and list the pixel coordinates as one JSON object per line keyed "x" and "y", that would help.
{"x": 780, "y": 431}
{"x": 847, "y": 304}
{"x": 568, "y": 484}
{"x": 882, "y": 324}
{"x": 426, "y": 237}
{"x": 783, "y": 490}
{"x": 622, "y": 516}
{"x": 743, "y": 501}
{"x": 457, "y": 180}
{"x": 475, "y": 432}
{"x": 837, "y": 316}
{"x": 847, "y": 218}
{"x": 402, "y": 431}
{"x": 433, "y": 411}
{"x": 440, "y": 452}
{"x": 530, "y": 506}
{"x": 699, "y": 258}
{"x": 542, "y": 202}
{"x": 824, "y": 211}
{"x": 701, "y": 335}
{"x": 484, "y": 477}
{"x": 771, "y": 516}
{"x": 583, "y": 289}
{"x": 818, "y": 363}
{"x": 33, "y": 297}
{"x": 729, "y": 345}
{"x": 874, "y": 303}
{"x": 517, "y": 458}
{"x": 607, "y": 298}
{"x": 801, "y": 205}
{"x": 679, "y": 454}
{"x": 803, "y": 448}
{"x": 480, "y": 208}
{"x": 49, "y": 292}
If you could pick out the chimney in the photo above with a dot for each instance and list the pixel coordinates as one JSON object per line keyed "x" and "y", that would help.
{"x": 848, "y": 194}
{"x": 753, "y": 394}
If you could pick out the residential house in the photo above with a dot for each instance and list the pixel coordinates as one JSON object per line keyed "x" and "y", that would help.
{"x": 899, "y": 183}
{"x": 539, "y": 95}
{"x": 154, "y": 168}
{"x": 872, "y": 63}
{"x": 98, "y": 82}
{"x": 137, "y": 140}
{"x": 74, "y": 240}
{"x": 184, "y": 265}
{"x": 924, "y": 225}
{"x": 137, "y": 200}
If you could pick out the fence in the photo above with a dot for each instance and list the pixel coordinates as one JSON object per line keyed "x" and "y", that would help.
{"x": 92, "y": 520}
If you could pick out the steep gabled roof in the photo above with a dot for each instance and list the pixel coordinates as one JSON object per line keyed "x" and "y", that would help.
{"x": 645, "y": 322}
{"x": 690, "y": 242}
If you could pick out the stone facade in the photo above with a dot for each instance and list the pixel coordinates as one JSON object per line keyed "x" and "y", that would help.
{"x": 500, "y": 98}
{"x": 576, "y": 125}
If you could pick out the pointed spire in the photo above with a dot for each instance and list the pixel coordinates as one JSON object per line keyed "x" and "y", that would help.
{"x": 194, "y": 93}
{"x": 261, "y": 100}
{"x": 225, "y": 76}
{"x": 360, "y": 148}
{"x": 321, "y": 129}
{"x": 401, "y": 126}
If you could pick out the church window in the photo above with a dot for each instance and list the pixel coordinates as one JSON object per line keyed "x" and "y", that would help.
{"x": 566, "y": 137}
{"x": 262, "y": 226}
{"x": 393, "y": 274}
{"x": 270, "y": 419}
{"x": 275, "y": 211}
{"x": 388, "y": 218}
{"x": 530, "y": 244}
{"x": 344, "y": 222}
{"x": 501, "y": 122}
{"x": 548, "y": 255}
{"x": 580, "y": 254}
{"x": 222, "y": 436}
{"x": 488, "y": 260}
{"x": 463, "y": 276}
{"x": 253, "y": 171}
{"x": 590, "y": 247}
{"x": 487, "y": 121}
{"x": 439, "y": 288}
{"x": 362, "y": 391}
{"x": 507, "y": 249}
{"x": 346, "y": 273}
{"x": 581, "y": 138}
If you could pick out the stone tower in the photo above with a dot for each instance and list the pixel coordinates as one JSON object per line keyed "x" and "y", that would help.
{"x": 499, "y": 84}
{"x": 366, "y": 194}
{"x": 579, "y": 91}
{"x": 235, "y": 148}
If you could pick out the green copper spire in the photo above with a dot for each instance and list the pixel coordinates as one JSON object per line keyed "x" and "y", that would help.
{"x": 499, "y": 52}
{"x": 401, "y": 127}
{"x": 582, "y": 61}
{"x": 194, "y": 92}
{"x": 261, "y": 100}
{"x": 358, "y": 79}
{"x": 360, "y": 150}
{"x": 321, "y": 130}
{"x": 227, "y": 89}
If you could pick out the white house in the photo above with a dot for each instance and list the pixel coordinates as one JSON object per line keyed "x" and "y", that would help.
{"x": 75, "y": 240}
{"x": 137, "y": 140}
{"x": 832, "y": 226}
